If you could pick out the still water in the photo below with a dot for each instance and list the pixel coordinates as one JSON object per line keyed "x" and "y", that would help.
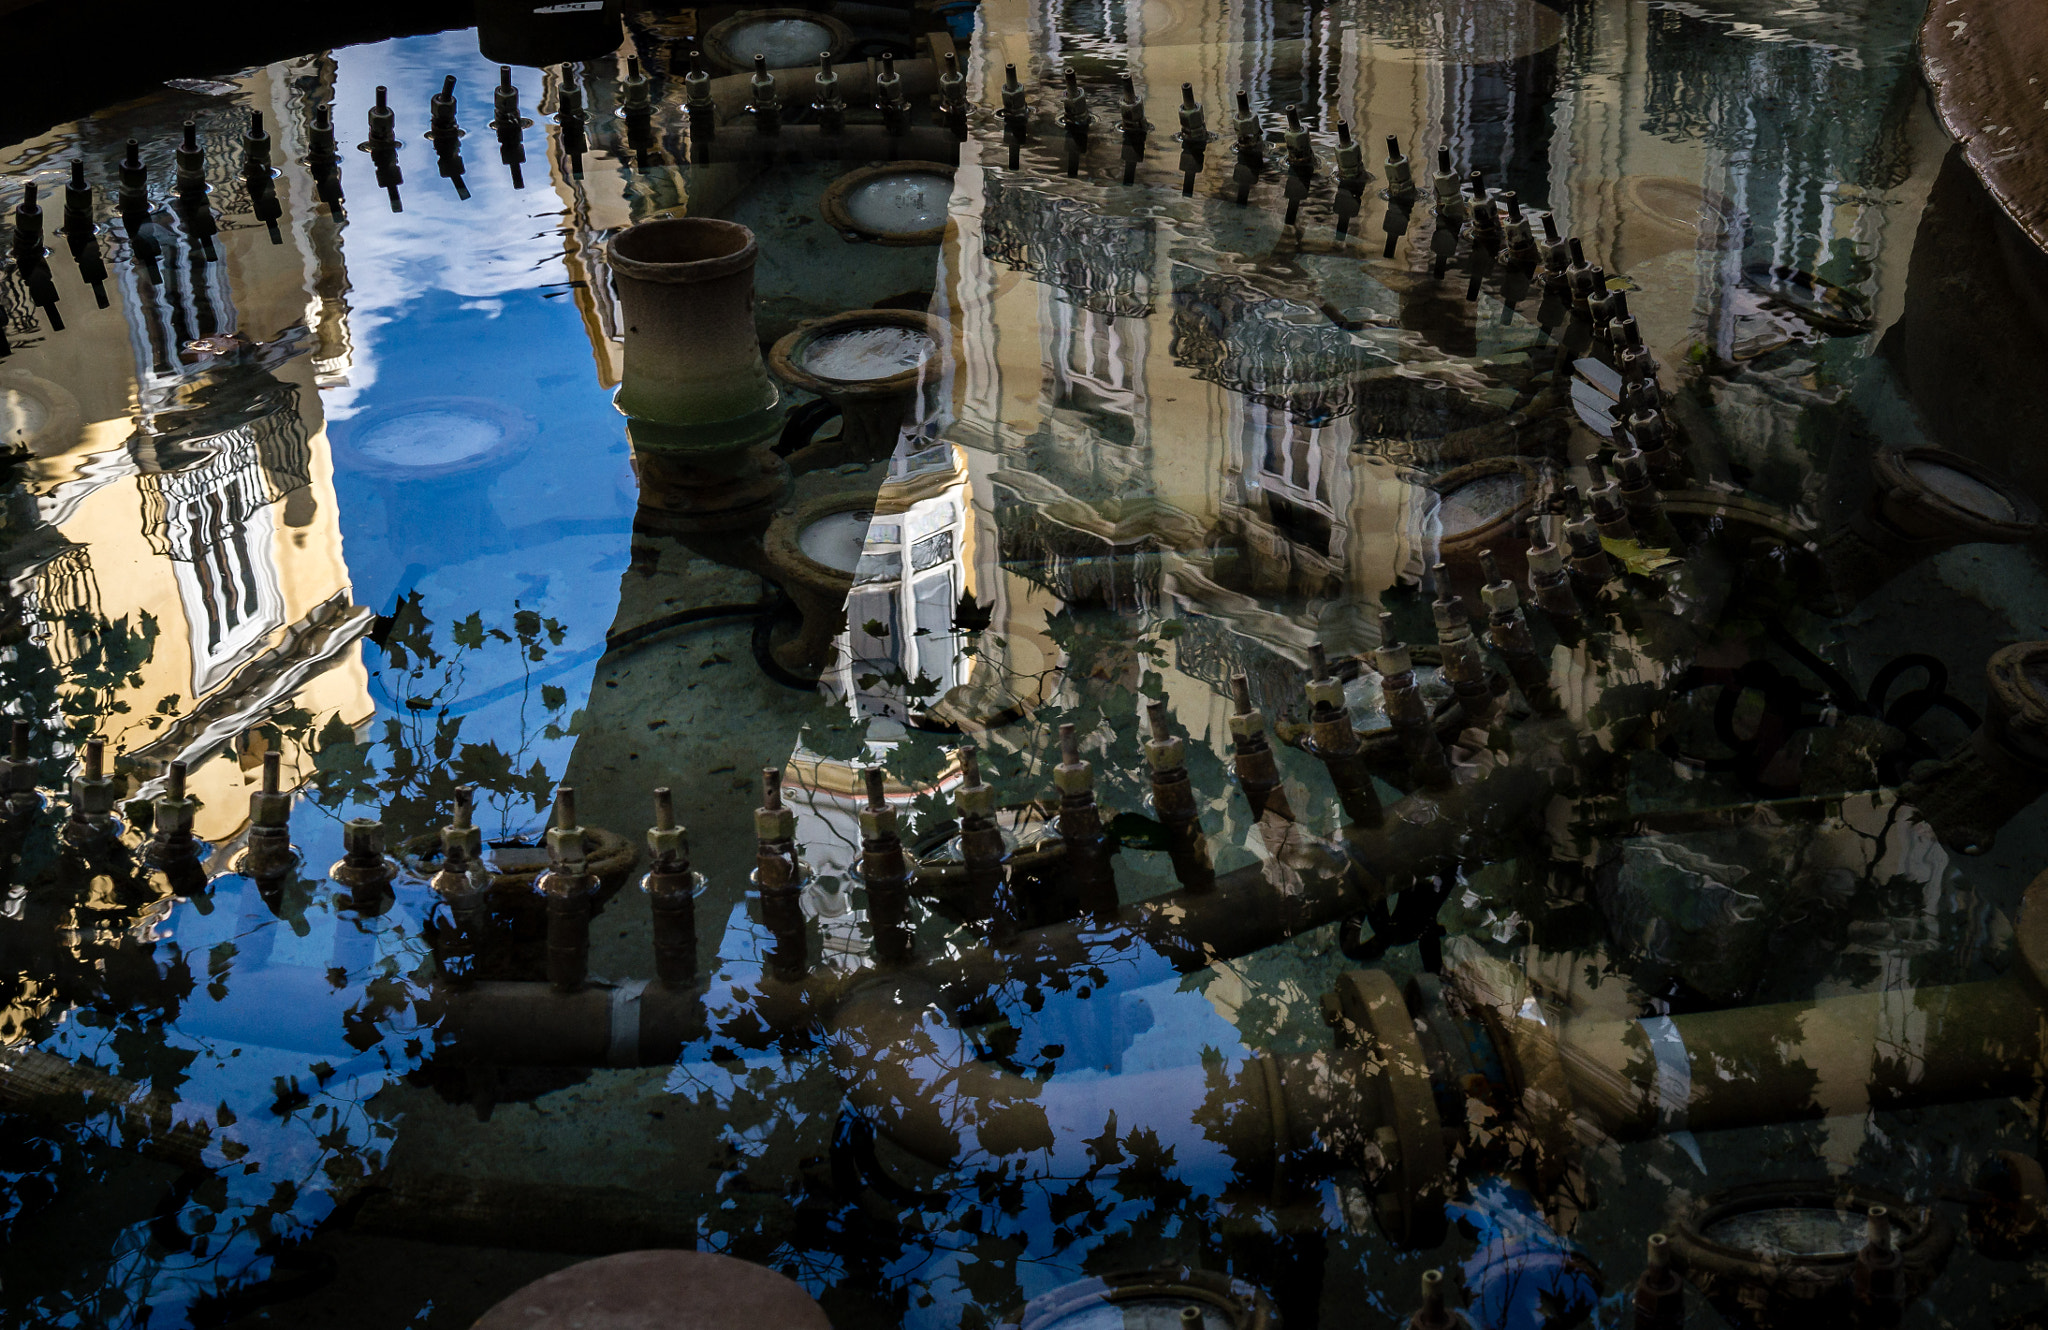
{"x": 1699, "y": 884}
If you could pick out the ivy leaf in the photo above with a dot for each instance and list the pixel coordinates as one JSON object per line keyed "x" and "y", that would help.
{"x": 553, "y": 698}
{"x": 485, "y": 765}
{"x": 1636, "y": 557}
{"x": 469, "y": 632}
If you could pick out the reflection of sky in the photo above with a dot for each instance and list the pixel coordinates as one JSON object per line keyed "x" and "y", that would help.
{"x": 279, "y": 1008}
{"x": 461, "y": 308}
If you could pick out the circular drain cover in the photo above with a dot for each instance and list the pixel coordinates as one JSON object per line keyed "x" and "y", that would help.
{"x": 900, "y": 203}
{"x": 437, "y": 436}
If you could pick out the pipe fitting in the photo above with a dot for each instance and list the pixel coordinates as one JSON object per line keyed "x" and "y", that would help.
{"x": 1088, "y": 850}
{"x": 1258, "y": 772}
{"x": 886, "y": 873}
{"x": 1173, "y": 799}
{"x": 1969, "y": 795}
{"x": 363, "y": 868}
{"x": 671, "y": 889}
{"x": 171, "y": 839}
{"x": 268, "y": 853}
{"x": 1337, "y": 746}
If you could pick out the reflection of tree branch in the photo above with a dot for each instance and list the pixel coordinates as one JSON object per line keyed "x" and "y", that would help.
{"x": 411, "y": 768}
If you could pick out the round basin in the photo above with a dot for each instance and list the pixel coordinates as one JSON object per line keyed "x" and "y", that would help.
{"x": 790, "y": 38}
{"x": 901, "y": 203}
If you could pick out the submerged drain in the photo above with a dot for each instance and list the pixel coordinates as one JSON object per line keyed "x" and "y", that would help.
{"x": 436, "y": 437}
{"x": 904, "y": 203}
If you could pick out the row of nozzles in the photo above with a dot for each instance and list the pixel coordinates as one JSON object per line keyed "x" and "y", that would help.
{"x": 827, "y": 104}
{"x": 138, "y": 208}
{"x": 463, "y": 879}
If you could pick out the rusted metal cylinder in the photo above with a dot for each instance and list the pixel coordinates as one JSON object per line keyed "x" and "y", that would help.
{"x": 364, "y": 869}
{"x": 1610, "y": 514}
{"x": 1464, "y": 664}
{"x": 1508, "y": 630}
{"x": 671, "y": 896}
{"x": 1549, "y": 580}
{"x": 18, "y": 772}
{"x": 170, "y": 839}
{"x": 567, "y": 886}
{"x": 1435, "y": 1313}
{"x": 1173, "y": 799}
{"x": 1258, "y": 773}
{"x": 1659, "y": 1301}
{"x": 267, "y": 854}
{"x": 93, "y": 796}
{"x": 1644, "y": 502}
{"x": 464, "y": 885}
{"x": 1408, "y": 711}
{"x": 1087, "y": 848}
{"x": 1588, "y": 556}
{"x": 885, "y": 871}
{"x": 1337, "y": 746}
{"x": 990, "y": 898}
{"x": 777, "y": 874}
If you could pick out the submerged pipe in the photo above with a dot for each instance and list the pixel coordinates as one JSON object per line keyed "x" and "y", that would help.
{"x": 1246, "y": 910}
{"x": 922, "y": 1083}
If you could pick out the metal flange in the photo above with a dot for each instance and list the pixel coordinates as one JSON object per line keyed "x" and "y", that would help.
{"x": 1408, "y": 1195}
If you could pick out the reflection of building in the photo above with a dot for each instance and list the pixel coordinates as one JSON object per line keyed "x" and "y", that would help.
{"x": 901, "y": 651}
{"x": 1257, "y": 466}
{"x": 61, "y": 603}
{"x": 209, "y": 515}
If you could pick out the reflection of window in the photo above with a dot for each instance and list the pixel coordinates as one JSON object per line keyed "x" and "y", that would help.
{"x": 249, "y": 466}
{"x": 1300, "y": 523}
{"x": 908, "y": 587}
{"x": 865, "y": 612}
{"x": 229, "y": 587}
{"x": 213, "y": 516}
{"x": 875, "y": 565}
{"x": 63, "y": 601}
{"x": 1291, "y": 455}
{"x": 1098, "y": 367}
{"x": 934, "y": 609}
{"x": 932, "y": 551}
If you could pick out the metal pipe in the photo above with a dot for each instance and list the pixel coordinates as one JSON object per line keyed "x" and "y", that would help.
{"x": 920, "y": 1082}
{"x": 1790, "y": 1061}
{"x": 885, "y": 871}
{"x": 567, "y": 886}
{"x": 1258, "y": 772}
{"x": 990, "y": 898}
{"x": 1337, "y": 746}
{"x": 1087, "y": 849}
{"x": 671, "y": 895}
{"x": 1173, "y": 799}
{"x": 1408, "y": 711}
{"x": 463, "y": 884}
